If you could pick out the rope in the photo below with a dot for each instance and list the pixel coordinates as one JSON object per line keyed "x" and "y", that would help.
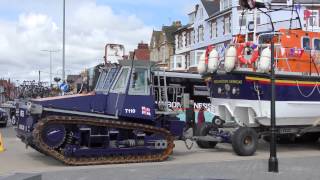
{"x": 189, "y": 147}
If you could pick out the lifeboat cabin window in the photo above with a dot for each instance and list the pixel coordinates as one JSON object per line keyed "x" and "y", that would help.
{"x": 121, "y": 83}
{"x": 316, "y": 44}
{"x": 139, "y": 82}
{"x": 306, "y": 43}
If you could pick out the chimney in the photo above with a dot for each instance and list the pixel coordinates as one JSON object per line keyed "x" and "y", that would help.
{"x": 177, "y": 24}
{"x": 143, "y": 45}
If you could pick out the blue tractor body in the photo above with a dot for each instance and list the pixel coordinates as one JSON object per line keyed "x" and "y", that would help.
{"x": 120, "y": 122}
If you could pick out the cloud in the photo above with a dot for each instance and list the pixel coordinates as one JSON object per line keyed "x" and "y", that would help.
{"x": 89, "y": 27}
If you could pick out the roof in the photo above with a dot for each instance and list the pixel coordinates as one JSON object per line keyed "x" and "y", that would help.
{"x": 169, "y": 33}
{"x": 156, "y": 36}
{"x": 211, "y": 6}
{"x": 184, "y": 27}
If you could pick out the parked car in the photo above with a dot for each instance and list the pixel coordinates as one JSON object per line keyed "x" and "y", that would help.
{"x": 3, "y": 118}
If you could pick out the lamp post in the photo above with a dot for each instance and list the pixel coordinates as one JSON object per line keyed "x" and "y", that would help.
{"x": 50, "y": 52}
{"x": 273, "y": 160}
{"x": 63, "y": 40}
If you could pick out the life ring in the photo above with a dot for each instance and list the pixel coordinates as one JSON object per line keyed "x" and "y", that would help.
{"x": 254, "y": 56}
{"x": 207, "y": 53}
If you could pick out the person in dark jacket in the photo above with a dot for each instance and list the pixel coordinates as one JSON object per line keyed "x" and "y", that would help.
{"x": 190, "y": 116}
{"x": 201, "y": 118}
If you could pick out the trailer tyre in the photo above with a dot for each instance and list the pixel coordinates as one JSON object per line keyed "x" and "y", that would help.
{"x": 245, "y": 141}
{"x": 203, "y": 130}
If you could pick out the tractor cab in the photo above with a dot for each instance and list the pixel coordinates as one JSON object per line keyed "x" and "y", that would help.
{"x": 136, "y": 90}
{"x": 128, "y": 89}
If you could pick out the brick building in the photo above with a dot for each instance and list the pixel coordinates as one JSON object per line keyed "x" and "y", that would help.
{"x": 141, "y": 53}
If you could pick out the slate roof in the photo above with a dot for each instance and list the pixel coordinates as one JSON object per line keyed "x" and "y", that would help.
{"x": 211, "y": 6}
{"x": 156, "y": 35}
{"x": 169, "y": 32}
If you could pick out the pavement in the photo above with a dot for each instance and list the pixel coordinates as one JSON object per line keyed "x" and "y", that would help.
{"x": 298, "y": 161}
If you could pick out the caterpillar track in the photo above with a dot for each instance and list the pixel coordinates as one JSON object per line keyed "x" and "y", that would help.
{"x": 114, "y": 159}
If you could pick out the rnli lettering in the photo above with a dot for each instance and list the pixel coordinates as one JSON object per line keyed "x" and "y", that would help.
{"x": 227, "y": 81}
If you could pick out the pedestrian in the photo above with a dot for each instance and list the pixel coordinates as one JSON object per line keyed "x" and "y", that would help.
{"x": 190, "y": 116}
{"x": 201, "y": 118}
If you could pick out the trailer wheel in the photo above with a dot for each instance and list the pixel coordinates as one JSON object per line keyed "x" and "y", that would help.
{"x": 203, "y": 130}
{"x": 245, "y": 141}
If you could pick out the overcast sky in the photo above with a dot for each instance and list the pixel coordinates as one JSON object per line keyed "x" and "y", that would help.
{"x": 29, "y": 26}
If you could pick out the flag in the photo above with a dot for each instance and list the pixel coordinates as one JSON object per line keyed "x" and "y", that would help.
{"x": 145, "y": 111}
{"x": 307, "y": 14}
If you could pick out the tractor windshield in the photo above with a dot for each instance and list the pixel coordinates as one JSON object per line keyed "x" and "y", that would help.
{"x": 105, "y": 80}
{"x": 139, "y": 82}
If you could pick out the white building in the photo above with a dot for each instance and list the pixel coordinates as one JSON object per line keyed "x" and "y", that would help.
{"x": 216, "y": 22}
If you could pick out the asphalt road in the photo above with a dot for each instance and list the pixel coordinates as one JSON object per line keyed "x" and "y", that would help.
{"x": 295, "y": 161}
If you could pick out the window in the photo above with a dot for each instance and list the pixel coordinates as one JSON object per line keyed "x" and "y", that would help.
{"x": 193, "y": 37}
{"x": 180, "y": 41}
{"x": 189, "y": 38}
{"x": 227, "y": 25}
{"x": 139, "y": 82}
{"x": 109, "y": 78}
{"x": 200, "y": 33}
{"x": 316, "y": 44}
{"x": 101, "y": 79}
{"x": 163, "y": 54}
{"x": 242, "y": 21}
{"x": 214, "y": 29}
{"x": 121, "y": 83}
{"x": 313, "y": 19}
{"x": 306, "y": 43}
{"x": 225, "y": 4}
{"x": 186, "y": 39}
{"x": 259, "y": 18}
{"x": 179, "y": 62}
{"x": 194, "y": 61}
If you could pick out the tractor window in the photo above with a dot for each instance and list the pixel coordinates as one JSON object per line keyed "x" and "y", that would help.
{"x": 122, "y": 80}
{"x": 138, "y": 83}
{"x": 306, "y": 43}
{"x": 316, "y": 44}
{"x": 109, "y": 78}
{"x": 101, "y": 80}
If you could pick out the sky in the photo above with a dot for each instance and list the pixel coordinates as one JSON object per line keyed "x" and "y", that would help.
{"x": 27, "y": 27}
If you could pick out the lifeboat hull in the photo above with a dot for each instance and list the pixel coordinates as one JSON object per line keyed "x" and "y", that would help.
{"x": 244, "y": 97}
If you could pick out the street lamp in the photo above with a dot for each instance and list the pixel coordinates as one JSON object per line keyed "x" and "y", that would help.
{"x": 63, "y": 40}
{"x": 273, "y": 160}
{"x": 50, "y": 52}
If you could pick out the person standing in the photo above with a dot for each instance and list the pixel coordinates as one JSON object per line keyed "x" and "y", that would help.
{"x": 201, "y": 118}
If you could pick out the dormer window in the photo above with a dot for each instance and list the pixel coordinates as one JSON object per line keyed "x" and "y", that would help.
{"x": 225, "y": 4}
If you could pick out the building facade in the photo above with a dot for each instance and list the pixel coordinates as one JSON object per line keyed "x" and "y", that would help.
{"x": 162, "y": 45}
{"x": 216, "y": 22}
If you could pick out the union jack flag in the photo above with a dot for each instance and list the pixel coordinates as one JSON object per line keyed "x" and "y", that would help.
{"x": 145, "y": 111}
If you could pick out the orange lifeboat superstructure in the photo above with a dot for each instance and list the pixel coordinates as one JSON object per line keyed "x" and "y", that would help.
{"x": 296, "y": 51}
